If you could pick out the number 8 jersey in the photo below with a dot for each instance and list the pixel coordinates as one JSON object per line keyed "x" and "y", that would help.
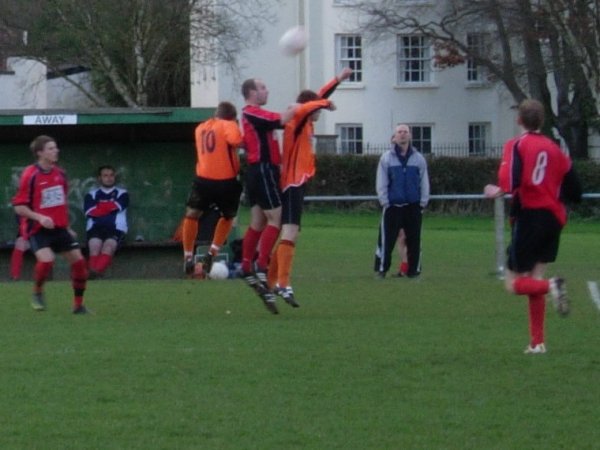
{"x": 44, "y": 192}
{"x": 533, "y": 168}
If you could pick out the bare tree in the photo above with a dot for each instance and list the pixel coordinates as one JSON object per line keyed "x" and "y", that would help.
{"x": 138, "y": 51}
{"x": 533, "y": 47}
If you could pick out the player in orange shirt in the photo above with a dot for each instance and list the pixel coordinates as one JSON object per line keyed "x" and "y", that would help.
{"x": 216, "y": 182}
{"x": 297, "y": 168}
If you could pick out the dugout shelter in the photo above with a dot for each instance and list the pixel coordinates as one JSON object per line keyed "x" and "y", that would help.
{"x": 152, "y": 150}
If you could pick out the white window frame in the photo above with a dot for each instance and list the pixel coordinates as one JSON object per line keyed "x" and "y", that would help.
{"x": 414, "y": 56}
{"x": 423, "y": 144}
{"x": 478, "y": 133}
{"x": 349, "y": 53}
{"x": 348, "y": 142}
{"x": 475, "y": 72}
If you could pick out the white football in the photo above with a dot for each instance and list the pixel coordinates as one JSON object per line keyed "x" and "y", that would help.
{"x": 219, "y": 271}
{"x": 293, "y": 41}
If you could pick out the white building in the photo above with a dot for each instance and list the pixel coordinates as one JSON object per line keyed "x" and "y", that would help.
{"x": 446, "y": 108}
{"x": 26, "y": 84}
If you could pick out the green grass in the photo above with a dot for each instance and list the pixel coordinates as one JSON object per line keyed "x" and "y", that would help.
{"x": 434, "y": 363}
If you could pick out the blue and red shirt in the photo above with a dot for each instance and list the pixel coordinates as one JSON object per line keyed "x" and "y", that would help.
{"x": 106, "y": 208}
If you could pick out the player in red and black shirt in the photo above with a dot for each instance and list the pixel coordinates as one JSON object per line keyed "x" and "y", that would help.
{"x": 262, "y": 184}
{"x": 42, "y": 200}
{"x": 541, "y": 178}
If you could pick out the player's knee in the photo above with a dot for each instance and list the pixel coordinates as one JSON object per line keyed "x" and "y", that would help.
{"x": 191, "y": 213}
{"x": 509, "y": 285}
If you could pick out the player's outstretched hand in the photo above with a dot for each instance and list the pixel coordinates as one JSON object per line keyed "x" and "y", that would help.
{"x": 344, "y": 74}
{"x": 492, "y": 191}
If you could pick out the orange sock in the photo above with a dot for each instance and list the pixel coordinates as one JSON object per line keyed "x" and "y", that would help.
{"x": 285, "y": 258}
{"x": 189, "y": 234}
{"x": 222, "y": 231}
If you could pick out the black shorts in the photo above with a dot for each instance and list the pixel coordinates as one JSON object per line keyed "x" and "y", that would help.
{"x": 104, "y": 233}
{"x": 292, "y": 201}
{"x": 58, "y": 239}
{"x": 262, "y": 185}
{"x": 535, "y": 239}
{"x": 225, "y": 194}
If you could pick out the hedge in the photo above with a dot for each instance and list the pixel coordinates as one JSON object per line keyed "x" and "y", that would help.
{"x": 355, "y": 175}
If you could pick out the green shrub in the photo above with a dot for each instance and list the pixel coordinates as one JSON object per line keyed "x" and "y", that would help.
{"x": 355, "y": 175}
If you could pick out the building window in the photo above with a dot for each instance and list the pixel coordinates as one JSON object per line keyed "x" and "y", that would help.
{"x": 414, "y": 59}
{"x": 475, "y": 44}
{"x": 350, "y": 138}
{"x": 421, "y": 137}
{"x": 477, "y": 138}
{"x": 349, "y": 54}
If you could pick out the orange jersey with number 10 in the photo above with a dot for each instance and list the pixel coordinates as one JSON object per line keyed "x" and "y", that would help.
{"x": 216, "y": 148}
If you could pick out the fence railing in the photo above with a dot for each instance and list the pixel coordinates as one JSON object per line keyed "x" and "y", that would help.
{"x": 444, "y": 149}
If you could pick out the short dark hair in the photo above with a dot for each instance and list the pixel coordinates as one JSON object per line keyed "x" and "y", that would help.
{"x": 247, "y": 86}
{"x": 38, "y": 144}
{"x": 531, "y": 114}
{"x": 105, "y": 167}
{"x": 226, "y": 111}
{"x": 306, "y": 96}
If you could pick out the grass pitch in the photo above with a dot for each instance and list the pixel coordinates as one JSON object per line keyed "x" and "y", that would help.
{"x": 434, "y": 363}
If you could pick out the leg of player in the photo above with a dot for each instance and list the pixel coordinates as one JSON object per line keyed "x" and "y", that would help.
{"x": 17, "y": 256}
{"x": 401, "y": 245}
{"x": 535, "y": 287}
{"x": 94, "y": 248}
{"x": 109, "y": 247}
{"x": 267, "y": 241}
{"x": 189, "y": 235}
{"x": 222, "y": 230}
{"x": 41, "y": 272}
{"x": 285, "y": 258}
{"x": 258, "y": 222}
{"x": 79, "y": 276}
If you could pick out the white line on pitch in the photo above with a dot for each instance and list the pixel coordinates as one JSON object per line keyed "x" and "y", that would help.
{"x": 594, "y": 293}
